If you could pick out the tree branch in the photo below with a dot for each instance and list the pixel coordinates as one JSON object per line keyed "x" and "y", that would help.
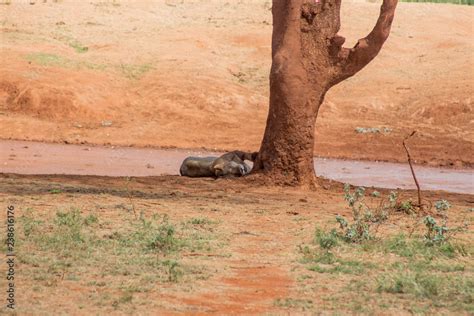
{"x": 349, "y": 61}
{"x": 420, "y": 204}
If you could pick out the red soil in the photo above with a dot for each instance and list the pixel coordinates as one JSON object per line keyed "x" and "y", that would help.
{"x": 195, "y": 75}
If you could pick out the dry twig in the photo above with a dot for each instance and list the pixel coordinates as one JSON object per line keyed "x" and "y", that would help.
{"x": 420, "y": 204}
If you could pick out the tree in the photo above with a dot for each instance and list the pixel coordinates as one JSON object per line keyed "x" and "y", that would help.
{"x": 308, "y": 58}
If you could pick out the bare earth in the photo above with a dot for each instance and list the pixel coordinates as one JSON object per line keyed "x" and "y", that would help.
{"x": 250, "y": 262}
{"x": 193, "y": 74}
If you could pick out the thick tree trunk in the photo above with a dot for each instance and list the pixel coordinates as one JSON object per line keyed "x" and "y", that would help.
{"x": 307, "y": 60}
{"x": 287, "y": 148}
{"x": 286, "y": 153}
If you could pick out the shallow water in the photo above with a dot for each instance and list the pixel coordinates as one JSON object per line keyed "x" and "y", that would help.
{"x": 43, "y": 158}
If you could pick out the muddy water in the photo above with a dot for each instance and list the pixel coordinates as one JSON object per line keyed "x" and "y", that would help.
{"x": 40, "y": 158}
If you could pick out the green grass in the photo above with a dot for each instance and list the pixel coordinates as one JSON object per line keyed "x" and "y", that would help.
{"x": 78, "y": 47}
{"x": 129, "y": 71}
{"x": 396, "y": 271}
{"x": 442, "y": 290}
{"x": 63, "y": 36}
{"x": 340, "y": 266}
{"x": 301, "y": 304}
{"x": 134, "y": 72}
{"x": 427, "y": 272}
{"x": 417, "y": 248}
{"x": 44, "y": 59}
{"x": 123, "y": 299}
{"x": 52, "y": 60}
{"x": 200, "y": 221}
{"x": 326, "y": 240}
{"x": 134, "y": 256}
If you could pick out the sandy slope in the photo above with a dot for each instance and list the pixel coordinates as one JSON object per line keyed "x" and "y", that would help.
{"x": 194, "y": 74}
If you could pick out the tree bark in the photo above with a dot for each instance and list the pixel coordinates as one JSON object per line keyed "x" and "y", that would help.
{"x": 307, "y": 60}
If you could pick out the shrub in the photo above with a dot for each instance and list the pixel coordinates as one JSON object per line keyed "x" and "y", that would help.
{"x": 164, "y": 239}
{"x": 326, "y": 240}
{"x": 173, "y": 270}
{"x": 364, "y": 216}
{"x": 435, "y": 234}
{"x": 442, "y": 206}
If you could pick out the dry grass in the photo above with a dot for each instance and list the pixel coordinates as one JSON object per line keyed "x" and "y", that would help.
{"x": 100, "y": 245}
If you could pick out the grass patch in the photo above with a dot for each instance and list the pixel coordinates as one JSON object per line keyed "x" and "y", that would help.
{"x": 431, "y": 269}
{"x": 52, "y": 60}
{"x": 129, "y": 71}
{"x": 45, "y": 59}
{"x": 173, "y": 269}
{"x": 417, "y": 248}
{"x": 323, "y": 261}
{"x": 123, "y": 299}
{"x": 340, "y": 266}
{"x": 201, "y": 221}
{"x": 301, "y": 304}
{"x": 90, "y": 220}
{"x": 326, "y": 240}
{"x": 134, "y": 72}
{"x": 442, "y": 290}
{"x": 141, "y": 254}
{"x": 78, "y": 47}
{"x": 408, "y": 271}
{"x": 164, "y": 239}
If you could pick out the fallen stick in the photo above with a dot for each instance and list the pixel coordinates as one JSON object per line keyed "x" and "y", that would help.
{"x": 201, "y": 254}
{"x": 420, "y": 205}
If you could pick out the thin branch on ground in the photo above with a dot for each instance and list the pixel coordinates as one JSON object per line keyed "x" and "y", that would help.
{"x": 420, "y": 204}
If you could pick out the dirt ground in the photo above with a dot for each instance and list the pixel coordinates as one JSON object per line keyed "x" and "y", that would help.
{"x": 248, "y": 252}
{"x": 193, "y": 74}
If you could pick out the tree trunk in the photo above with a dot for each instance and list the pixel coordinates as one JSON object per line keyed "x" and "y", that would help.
{"x": 307, "y": 60}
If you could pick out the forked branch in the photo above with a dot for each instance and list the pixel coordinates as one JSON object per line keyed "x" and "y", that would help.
{"x": 349, "y": 61}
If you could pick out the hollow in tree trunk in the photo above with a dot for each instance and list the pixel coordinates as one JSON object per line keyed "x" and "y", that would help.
{"x": 308, "y": 58}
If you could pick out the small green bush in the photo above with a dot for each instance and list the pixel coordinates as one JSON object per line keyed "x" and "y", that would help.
{"x": 173, "y": 269}
{"x": 326, "y": 240}
{"x": 164, "y": 239}
{"x": 435, "y": 234}
{"x": 442, "y": 206}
